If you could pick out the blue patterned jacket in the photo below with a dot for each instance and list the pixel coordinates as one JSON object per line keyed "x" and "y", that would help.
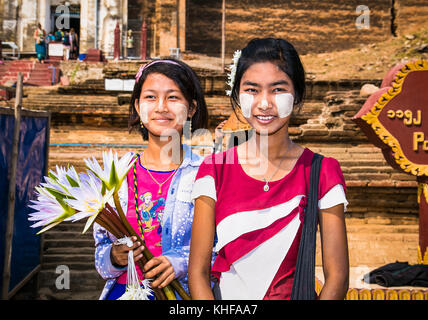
{"x": 176, "y": 230}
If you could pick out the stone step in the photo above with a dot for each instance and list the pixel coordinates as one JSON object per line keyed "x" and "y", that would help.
{"x": 90, "y": 275}
{"x": 39, "y": 82}
{"x": 24, "y": 71}
{"x": 41, "y": 71}
{"x": 90, "y": 250}
{"x": 16, "y": 69}
{"x": 74, "y": 265}
{"x": 39, "y": 77}
{"x": 76, "y": 104}
{"x": 14, "y": 76}
{"x": 47, "y": 294}
{"x": 33, "y": 92}
{"x": 55, "y": 282}
{"x": 56, "y": 96}
{"x": 56, "y": 234}
{"x": 69, "y": 243}
{"x": 82, "y": 100}
{"x": 118, "y": 136}
{"x": 67, "y": 259}
{"x": 66, "y": 226}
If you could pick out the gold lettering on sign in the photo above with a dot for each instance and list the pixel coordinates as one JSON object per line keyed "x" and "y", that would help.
{"x": 418, "y": 120}
{"x": 408, "y": 120}
{"x": 407, "y": 116}
{"x": 419, "y": 138}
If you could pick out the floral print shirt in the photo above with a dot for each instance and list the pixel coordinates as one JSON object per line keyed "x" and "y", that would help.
{"x": 176, "y": 230}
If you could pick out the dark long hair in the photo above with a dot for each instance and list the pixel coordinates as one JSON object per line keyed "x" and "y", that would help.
{"x": 189, "y": 84}
{"x": 275, "y": 50}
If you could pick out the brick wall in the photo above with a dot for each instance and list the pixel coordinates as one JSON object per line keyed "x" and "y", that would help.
{"x": 312, "y": 26}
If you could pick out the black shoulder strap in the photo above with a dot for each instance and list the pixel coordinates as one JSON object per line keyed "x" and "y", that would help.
{"x": 304, "y": 277}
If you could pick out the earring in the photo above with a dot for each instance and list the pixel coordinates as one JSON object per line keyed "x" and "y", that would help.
{"x": 141, "y": 124}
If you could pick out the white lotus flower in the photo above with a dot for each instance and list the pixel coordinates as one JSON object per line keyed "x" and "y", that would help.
{"x": 88, "y": 199}
{"x": 50, "y": 211}
{"x": 114, "y": 171}
{"x": 58, "y": 183}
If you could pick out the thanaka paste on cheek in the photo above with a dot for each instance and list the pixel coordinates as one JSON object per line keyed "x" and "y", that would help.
{"x": 144, "y": 112}
{"x": 246, "y": 101}
{"x": 181, "y": 112}
{"x": 284, "y": 104}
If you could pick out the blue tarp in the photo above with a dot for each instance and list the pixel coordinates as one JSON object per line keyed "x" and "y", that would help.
{"x": 31, "y": 168}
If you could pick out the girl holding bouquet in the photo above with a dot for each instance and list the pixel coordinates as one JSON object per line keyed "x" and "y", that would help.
{"x": 167, "y": 100}
{"x": 259, "y": 224}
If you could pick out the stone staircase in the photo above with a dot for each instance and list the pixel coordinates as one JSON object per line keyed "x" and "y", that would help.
{"x": 34, "y": 74}
{"x": 9, "y": 70}
{"x": 66, "y": 248}
{"x": 45, "y": 74}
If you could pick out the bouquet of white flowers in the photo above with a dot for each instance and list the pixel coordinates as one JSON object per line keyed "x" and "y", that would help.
{"x": 70, "y": 196}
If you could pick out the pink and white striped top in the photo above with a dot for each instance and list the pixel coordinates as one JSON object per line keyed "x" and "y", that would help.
{"x": 258, "y": 232}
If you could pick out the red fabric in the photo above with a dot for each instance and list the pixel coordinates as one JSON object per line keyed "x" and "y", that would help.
{"x": 247, "y": 242}
{"x": 282, "y": 283}
{"x": 237, "y": 192}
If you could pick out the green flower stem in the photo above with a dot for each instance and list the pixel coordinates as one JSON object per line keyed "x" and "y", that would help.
{"x": 148, "y": 255}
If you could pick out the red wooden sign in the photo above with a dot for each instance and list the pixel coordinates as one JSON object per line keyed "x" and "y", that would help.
{"x": 395, "y": 119}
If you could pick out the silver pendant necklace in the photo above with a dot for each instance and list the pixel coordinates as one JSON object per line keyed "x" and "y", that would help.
{"x": 266, "y": 186}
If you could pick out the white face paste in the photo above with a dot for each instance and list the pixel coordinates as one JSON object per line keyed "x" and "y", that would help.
{"x": 181, "y": 112}
{"x": 179, "y": 109}
{"x": 246, "y": 101}
{"x": 144, "y": 111}
{"x": 284, "y": 104}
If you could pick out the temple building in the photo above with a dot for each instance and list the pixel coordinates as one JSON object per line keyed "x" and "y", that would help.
{"x": 95, "y": 20}
{"x": 195, "y": 25}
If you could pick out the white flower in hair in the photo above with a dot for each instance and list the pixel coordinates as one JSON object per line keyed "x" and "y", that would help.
{"x": 232, "y": 74}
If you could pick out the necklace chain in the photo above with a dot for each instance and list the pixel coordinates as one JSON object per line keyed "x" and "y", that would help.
{"x": 139, "y": 218}
{"x": 150, "y": 174}
{"x": 266, "y": 186}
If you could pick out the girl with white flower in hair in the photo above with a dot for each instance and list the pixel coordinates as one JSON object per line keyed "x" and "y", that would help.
{"x": 167, "y": 99}
{"x": 255, "y": 197}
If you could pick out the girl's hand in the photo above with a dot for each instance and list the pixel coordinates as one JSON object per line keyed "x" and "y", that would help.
{"x": 162, "y": 267}
{"x": 119, "y": 252}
